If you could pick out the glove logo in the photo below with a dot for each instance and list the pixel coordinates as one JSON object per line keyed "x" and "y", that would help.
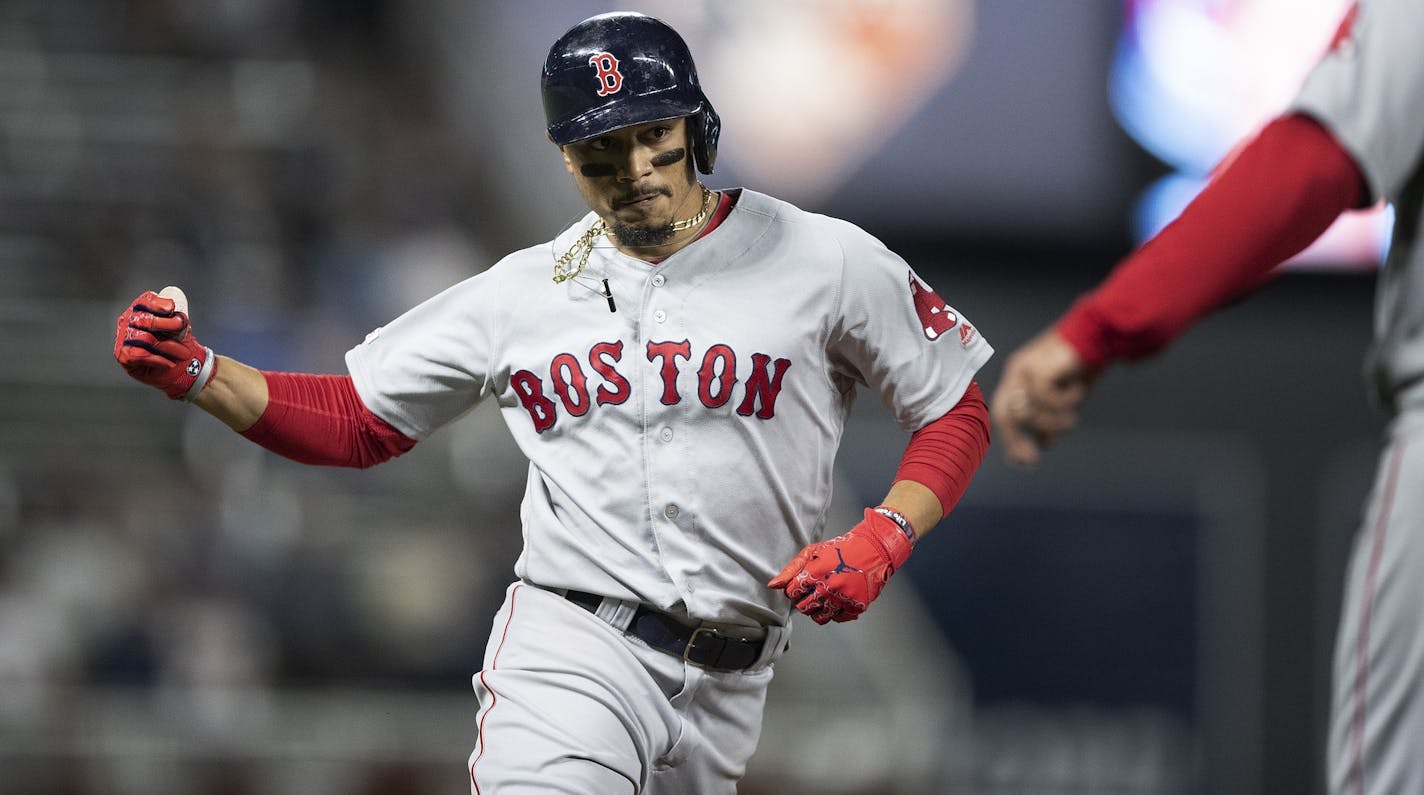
{"x": 194, "y": 367}
{"x": 610, "y": 80}
{"x": 935, "y": 316}
{"x": 843, "y": 566}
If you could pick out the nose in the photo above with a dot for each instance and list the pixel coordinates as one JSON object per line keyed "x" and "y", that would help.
{"x": 637, "y": 164}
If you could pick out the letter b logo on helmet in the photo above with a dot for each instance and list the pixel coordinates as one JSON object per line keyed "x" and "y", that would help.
{"x": 620, "y": 69}
{"x": 610, "y": 80}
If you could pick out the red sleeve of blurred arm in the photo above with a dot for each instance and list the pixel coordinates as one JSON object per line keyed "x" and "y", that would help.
{"x": 1265, "y": 205}
{"x": 320, "y": 419}
{"x": 944, "y": 455}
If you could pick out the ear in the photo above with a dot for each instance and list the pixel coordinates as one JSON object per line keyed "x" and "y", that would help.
{"x": 568, "y": 162}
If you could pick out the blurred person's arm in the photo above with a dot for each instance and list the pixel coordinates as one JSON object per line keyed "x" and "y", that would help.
{"x": 1275, "y": 198}
{"x": 1280, "y": 193}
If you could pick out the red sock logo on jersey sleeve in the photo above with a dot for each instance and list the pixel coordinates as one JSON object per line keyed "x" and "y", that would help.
{"x": 935, "y": 315}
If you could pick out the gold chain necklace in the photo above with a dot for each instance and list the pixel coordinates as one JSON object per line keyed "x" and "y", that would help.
{"x": 707, "y": 197}
{"x": 584, "y": 245}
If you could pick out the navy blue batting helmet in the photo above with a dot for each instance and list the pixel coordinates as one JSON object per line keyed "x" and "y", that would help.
{"x": 620, "y": 69}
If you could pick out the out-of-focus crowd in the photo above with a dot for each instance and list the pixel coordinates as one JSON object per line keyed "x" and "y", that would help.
{"x": 293, "y": 173}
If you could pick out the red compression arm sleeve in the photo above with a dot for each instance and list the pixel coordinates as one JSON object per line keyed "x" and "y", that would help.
{"x": 1280, "y": 192}
{"x": 945, "y": 454}
{"x": 319, "y": 419}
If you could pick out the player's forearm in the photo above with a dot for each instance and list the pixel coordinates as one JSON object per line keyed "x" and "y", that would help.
{"x": 1278, "y": 195}
{"x": 939, "y": 462}
{"x": 917, "y": 503}
{"x": 236, "y": 395}
{"x": 320, "y": 419}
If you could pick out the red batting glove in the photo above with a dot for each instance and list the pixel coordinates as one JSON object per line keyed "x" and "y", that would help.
{"x": 153, "y": 343}
{"x": 838, "y": 579}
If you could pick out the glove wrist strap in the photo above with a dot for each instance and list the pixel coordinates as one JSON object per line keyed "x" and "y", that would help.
{"x": 900, "y": 520}
{"x": 205, "y": 374}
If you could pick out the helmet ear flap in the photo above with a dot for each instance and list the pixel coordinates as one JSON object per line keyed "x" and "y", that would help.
{"x": 706, "y": 129}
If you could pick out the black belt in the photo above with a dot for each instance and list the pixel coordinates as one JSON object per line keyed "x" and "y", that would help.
{"x": 702, "y": 646}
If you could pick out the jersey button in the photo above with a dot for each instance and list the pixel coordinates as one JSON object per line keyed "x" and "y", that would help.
{"x": 665, "y": 434}
{"x": 659, "y": 280}
{"x": 671, "y": 511}
{"x": 660, "y": 316}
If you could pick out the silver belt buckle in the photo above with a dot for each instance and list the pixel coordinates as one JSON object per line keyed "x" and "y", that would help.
{"x": 692, "y": 641}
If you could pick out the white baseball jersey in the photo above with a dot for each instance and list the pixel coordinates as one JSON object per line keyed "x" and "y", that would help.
{"x": 1369, "y": 92}
{"x": 680, "y": 447}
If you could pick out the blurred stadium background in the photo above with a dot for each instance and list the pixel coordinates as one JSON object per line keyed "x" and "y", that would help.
{"x": 180, "y": 612}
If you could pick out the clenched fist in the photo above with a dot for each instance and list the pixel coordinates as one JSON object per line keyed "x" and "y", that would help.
{"x": 836, "y": 580}
{"x": 1040, "y": 394}
{"x": 154, "y": 344}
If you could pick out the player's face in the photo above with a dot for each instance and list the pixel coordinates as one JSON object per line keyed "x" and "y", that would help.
{"x": 638, "y": 179}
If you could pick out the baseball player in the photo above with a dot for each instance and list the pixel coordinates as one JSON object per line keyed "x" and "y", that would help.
{"x": 678, "y": 366}
{"x": 1353, "y": 135}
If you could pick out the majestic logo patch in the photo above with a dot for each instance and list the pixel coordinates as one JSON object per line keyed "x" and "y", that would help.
{"x": 610, "y": 80}
{"x": 935, "y": 315}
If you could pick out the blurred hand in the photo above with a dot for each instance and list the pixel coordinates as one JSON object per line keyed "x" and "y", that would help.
{"x": 1037, "y": 400}
{"x": 153, "y": 343}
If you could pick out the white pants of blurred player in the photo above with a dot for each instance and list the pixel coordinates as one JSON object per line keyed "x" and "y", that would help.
{"x": 1377, "y": 708}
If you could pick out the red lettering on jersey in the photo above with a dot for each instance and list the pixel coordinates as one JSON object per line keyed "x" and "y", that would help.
{"x": 530, "y": 391}
{"x": 601, "y": 359}
{"x": 669, "y": 351}
{"x": 709, "y": 374}
{"x": 935, "y": 316}
{"x": 716, "y": 380}
{"x": 610, "y": 80}
{"x": 763, "y": 386}
{"x": 570, "y": 384}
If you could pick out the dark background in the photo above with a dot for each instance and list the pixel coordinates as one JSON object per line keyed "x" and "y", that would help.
{"x": 181, "y": 612}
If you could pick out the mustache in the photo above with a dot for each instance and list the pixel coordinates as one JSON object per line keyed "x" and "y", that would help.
{"x": 638, "y": 194}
